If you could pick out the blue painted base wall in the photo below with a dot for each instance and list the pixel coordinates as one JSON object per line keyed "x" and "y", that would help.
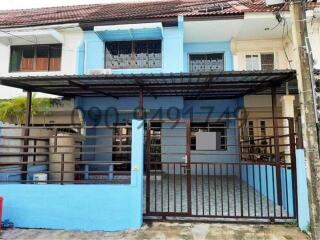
{"x": 70, "y": 207}
{"x": 302, "y": 189}
{"x": 80, "y": 207}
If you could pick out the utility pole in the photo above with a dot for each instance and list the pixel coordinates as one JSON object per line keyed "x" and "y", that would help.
{"x": 308, "y": 114}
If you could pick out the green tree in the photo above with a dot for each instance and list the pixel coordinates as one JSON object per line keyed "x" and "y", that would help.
{"x": 14, "y": 110}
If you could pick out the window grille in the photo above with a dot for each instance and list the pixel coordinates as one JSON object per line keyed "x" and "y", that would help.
{"x": 206, "y": 62}
{"x": 133, "y": 54}
{"x": 267, "y": 62}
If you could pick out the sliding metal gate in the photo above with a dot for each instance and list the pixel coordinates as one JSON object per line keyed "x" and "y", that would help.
{"x": 223, "y": 185}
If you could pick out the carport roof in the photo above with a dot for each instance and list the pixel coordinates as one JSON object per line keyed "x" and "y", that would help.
{"x": 212, "y": 85}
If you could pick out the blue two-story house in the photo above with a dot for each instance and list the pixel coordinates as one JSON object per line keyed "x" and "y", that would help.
{"x": 171, "y": 128}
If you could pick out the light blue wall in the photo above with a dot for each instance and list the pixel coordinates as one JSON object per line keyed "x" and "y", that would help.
{"x": 223, "y": 109}
{"x": 287, "y": 190}
{"x": 175, "y": 53}
{"x": 80, "y": 207}
{"x": 10, "y": 176}
{"x": 94, "y": 51}
{"x": 172, "y": 57}
{"x": 252, "y": 173}
{"x": 210, "y": 47}
{"x": 302, "y": 190}
{"x": 172, "y": 51}
{"x": 268, "y": 179}
{"x": 80, "y": 58}
{"x": 134, "y": 34}
{"x": 130, "y": 103}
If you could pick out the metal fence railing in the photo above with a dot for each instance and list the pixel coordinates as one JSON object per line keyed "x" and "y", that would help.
{"x": 65, "y": 155}
{"x": 246, "y": 171}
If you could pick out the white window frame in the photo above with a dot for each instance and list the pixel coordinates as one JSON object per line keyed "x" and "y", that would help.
{"x": 259, "y": 59}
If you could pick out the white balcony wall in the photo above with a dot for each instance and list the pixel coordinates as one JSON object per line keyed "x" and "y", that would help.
{"x": 278, "y": 47}
{"x": 71, "y": 40}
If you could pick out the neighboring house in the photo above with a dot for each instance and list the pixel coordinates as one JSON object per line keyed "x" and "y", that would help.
{"x": 212, "y": 139}
{"x": 62, "y": 113}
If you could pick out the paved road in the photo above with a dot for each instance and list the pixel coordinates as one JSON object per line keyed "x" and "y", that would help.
{"x": 159, "y": 231}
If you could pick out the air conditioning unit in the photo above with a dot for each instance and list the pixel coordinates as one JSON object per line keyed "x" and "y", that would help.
{"x": 274, "y": 2}
{"x": 100, "y": 71}
{"x": 40, "y": 178}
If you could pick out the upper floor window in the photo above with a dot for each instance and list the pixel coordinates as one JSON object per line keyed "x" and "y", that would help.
{"x": 35, "y": 58}
{"x": 133, "y": 54}
{"x": 206, "y": 62}
{"x": 263, "y": 61}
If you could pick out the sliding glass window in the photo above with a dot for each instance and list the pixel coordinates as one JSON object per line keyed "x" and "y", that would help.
{"x": 36, "y": 58}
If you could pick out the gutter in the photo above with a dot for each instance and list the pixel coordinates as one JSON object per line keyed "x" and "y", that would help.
{"x": 42, "y": 26}
{"x": 212, "y": 17}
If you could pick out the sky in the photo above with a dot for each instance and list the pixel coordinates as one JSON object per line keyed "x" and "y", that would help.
{"x": 6, "y": 92}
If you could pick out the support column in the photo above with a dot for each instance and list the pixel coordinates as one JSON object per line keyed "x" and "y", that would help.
{"x": 287, "y": 109}
{"x": 28, "y": 109}
{"x": 137, "y": 159}
{"x": 140, "y": 110}
{"x": 276, "y": 144}
{"x": 26, "y": 134}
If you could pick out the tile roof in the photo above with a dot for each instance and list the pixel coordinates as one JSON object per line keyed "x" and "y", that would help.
{"x": 128, "y": 11}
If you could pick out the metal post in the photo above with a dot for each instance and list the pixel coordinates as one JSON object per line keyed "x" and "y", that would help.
{"x": 189, "y": 183}
{"x": 140, "y": 108}
{"x": 28, "y": 110}
{"x": 148, "y": 168}
{"x": 293, "y": 166}
{"x": 276, "y": 143}
{"x": 62, "y": 170}
{"x": 240, "y": 129}
{"x": 26, "y": 135}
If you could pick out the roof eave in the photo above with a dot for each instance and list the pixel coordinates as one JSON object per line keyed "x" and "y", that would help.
{"x": 167, "y": 21}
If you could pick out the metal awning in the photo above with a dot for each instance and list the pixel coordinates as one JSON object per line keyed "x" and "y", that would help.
{"x": 213, "y": 85}
{"x": 28, "y": 37}
{"x": 127, "y": 32}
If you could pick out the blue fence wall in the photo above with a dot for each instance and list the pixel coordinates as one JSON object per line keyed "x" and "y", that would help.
{"x": 302, "y": 189}
{"x": 265, "y": 175}
{"x": 80, "y": 207}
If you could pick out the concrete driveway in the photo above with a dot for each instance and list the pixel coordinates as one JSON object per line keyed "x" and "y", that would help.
{"x": 172, "y": 231}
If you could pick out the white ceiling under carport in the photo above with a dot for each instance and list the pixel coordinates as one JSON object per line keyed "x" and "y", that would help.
{"x": 253, "y": 26}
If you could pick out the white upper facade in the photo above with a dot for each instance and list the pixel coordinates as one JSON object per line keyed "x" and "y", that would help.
{"x": 69, "y": 36}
